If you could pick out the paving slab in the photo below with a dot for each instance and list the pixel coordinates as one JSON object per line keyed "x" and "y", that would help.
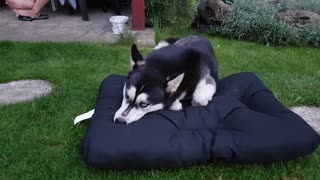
{"x": 310, "y": 114}
{"x": 23, "y": 90}
{"x": 63, "y": 27}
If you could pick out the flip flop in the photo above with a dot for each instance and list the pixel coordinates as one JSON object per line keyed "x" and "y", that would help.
{"x": 28, "y": 18}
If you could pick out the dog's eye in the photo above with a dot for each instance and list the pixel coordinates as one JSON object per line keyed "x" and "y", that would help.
{"x": 143, "y": 105}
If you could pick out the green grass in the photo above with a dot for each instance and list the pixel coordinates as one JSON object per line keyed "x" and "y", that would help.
{"x": 38, "y": 139}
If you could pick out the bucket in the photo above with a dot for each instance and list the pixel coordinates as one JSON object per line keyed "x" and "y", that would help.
{"x": 118, "y": 23}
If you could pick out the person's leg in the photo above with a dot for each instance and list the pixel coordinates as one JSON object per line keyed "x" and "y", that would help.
{"x": 20, "y": 4}
{"x": 35, "y": 11}
{"x": 38, "y": 6}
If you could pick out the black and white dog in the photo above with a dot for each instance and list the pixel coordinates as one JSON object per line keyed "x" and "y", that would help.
{"x": 178, "y": 69}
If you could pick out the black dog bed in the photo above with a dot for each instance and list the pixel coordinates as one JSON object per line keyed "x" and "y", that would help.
{"x": 243, "y": 123}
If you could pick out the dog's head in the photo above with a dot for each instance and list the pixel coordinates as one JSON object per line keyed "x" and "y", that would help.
{"x": 143, "y": 92}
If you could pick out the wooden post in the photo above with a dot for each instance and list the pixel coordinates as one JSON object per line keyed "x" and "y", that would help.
{"x": 138, "y": 14}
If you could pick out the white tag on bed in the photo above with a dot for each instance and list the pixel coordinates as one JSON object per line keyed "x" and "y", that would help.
{"x": 83, "y": 117}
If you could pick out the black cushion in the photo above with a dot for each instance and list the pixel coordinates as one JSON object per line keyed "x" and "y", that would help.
{"x": 243, "y": 123}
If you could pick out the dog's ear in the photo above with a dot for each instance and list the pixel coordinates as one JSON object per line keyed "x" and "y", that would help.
{"x": 136, "y": 57}
{"x": 174, "y": 83}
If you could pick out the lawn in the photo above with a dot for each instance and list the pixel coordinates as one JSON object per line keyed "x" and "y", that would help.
{"x": 38, "y": 139}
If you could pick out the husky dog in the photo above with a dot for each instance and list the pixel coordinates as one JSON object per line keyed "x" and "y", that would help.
{"x": 178, "y": 69}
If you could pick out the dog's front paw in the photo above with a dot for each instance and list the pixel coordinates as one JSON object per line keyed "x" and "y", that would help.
{"x": 176, "y": 105}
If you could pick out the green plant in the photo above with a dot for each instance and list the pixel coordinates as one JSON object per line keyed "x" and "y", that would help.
{"x": 167, "y": 14}
{"x": 126, "y": 39}
{"x": 255, "y": 21}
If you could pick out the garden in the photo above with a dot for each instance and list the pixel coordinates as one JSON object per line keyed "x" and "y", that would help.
{"x": 39, "y": 141}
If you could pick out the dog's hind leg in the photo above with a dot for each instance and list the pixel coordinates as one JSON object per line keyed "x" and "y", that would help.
{"x": 204, "y": 91}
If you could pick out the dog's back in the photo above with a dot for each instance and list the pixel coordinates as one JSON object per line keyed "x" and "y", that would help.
{"x": 199, "y": 43}
{"x": 195, "y": 55}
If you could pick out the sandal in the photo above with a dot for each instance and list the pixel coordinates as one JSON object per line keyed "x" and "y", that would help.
{"x": 28, "y": 18}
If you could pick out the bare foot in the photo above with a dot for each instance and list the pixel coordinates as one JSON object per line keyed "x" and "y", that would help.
{"x": 29, "y": 13}
{"x": 20, "y": 4}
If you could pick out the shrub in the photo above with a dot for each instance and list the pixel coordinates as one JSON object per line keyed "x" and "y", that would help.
{"x": 169, "y": 14}
{"x": 253, "y": 20}
{"x": 311, "y": 5}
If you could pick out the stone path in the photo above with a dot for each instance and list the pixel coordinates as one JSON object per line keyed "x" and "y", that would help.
{"x": 23, "y": 90}
{"x": 63, "y": 27}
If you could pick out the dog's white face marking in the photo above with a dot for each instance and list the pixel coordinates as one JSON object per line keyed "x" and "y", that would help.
{"x": 132, "y": 111}
{"x": 204, "y": 91}
{"x": 161, "y": 44}
{"x": 142, "y": 98}
{"x": 131, "y": 92}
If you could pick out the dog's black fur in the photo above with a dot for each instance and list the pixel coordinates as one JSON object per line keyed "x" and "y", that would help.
{"x": 167, "y": 63}
{"x": 191, "y": 58}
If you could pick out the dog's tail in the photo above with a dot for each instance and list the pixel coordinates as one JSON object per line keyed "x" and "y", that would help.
{"x": 166, "y": 42}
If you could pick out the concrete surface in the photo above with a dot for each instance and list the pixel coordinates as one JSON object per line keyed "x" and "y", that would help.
{"x": 310, "y": 114}
{"x": 63, "y": 27}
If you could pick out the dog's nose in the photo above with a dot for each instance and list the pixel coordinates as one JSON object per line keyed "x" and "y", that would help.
{"x": 120, "y": 120}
